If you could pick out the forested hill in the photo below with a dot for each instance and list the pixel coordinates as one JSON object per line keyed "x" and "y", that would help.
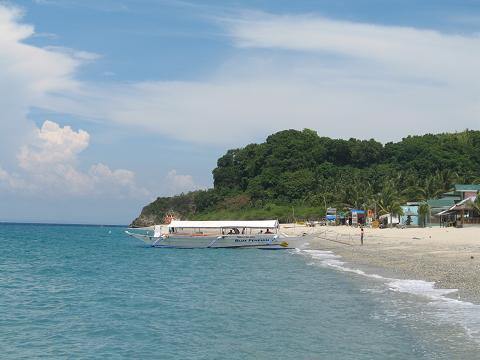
{"x": 299, "y": 173}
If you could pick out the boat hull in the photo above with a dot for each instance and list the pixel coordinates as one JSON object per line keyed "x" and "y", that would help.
{"x": 263, "y": 241}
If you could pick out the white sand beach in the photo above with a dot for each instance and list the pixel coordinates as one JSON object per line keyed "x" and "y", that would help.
{"x": 450, "y": 257}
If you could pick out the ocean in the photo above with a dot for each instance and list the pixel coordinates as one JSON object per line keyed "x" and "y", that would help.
{"x": 91, "y": 292}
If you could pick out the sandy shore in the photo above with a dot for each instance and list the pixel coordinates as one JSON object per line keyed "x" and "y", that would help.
{"x": 447, "y": 256}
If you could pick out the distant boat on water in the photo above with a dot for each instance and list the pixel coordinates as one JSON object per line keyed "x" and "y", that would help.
{"x": 262, "y": 234}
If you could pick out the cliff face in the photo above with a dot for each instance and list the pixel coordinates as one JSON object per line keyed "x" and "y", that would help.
{"x": 181, "y": 206}
{"x": 144, "y": 220}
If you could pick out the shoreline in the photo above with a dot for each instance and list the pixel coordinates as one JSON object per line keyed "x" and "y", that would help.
{"x": 439, "y": 255}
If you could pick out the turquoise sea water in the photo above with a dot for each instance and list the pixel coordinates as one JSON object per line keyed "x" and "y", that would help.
{"x": 84, "y": 292}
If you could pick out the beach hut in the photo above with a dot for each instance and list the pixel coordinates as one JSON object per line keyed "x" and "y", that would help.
{"x": 450, "y": 207}
{"x": 460, "y": 214}
{"x": 358, "y": 216}
{"x": 331, "y": 216}
{"x": 386, "y": 218}
{"x": 410, "y": 215}
{"x": 437, "y": 206}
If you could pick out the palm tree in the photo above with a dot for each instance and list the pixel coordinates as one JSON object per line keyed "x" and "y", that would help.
{"x": 474, "y": 204}
{"x": 462, "y": 178}
{"x": 423, "y": 211}
{"x": 432, "y": 187}
{"x": 412, "y": 193}
{"x": 476, "y": 180}
{"x": 446, "y": 178}
{"x": 356, "y": 194}
{"x": 389, "y": 201}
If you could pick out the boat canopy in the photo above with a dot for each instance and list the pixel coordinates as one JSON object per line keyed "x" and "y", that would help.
{"x": 260, "y": 224}
{"x": 143, "y": 228}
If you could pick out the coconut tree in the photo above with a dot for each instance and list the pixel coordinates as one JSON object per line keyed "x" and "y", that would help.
{"x": 432, "y": 187}
{"x": 423, "y": 212}
{"x": 476, "y": 180}
{"x": 356, "y": 194}
{"x": 444, "y": 180}
{"x": 474, "y": 204}
{"x": 389, "y": 201}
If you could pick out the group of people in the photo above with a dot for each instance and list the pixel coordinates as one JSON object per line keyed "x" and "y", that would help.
{"x": 235, "y": 231}
{"x": 266, "y": 232}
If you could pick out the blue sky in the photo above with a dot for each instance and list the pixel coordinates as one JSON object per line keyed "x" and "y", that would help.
{"x": 108, "y": 104}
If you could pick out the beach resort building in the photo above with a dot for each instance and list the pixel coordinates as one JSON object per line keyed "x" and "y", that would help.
{"x": 439, "y": 205}
{"x": 410, "y": 214}
{"x": 466, "y": 191}
{"x": 453, "y": 207}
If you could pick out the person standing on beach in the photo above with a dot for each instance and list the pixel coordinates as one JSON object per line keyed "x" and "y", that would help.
{"x": 361, "y": 235}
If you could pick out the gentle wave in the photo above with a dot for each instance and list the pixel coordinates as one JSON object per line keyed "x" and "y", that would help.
{"x": 454, "y": 311}
{"x": 328, "y": 258}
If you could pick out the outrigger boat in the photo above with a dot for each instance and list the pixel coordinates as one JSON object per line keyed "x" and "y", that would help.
{"x": 214, "y": 234}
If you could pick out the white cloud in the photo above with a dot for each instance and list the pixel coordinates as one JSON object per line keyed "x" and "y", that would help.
{"x": 49, "y": 165}
{"x": 49, "y": 160}
{"x": 402, "y": 51}
{"x": 29, "y": 75}
{"x": 11, "y": 182}
{"x": 178, "y": 183}
{"x": 34, "y": 71}
{"x": 341, "y": 78}
{"x": 120, "y": 181}
{"x": 53, "y": 144}
{"x": 48, "y": 156}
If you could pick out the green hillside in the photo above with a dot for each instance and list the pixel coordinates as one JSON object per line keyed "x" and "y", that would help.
{"x": 297, "y": 174}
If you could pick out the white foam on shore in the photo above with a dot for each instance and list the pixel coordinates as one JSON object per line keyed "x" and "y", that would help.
{"x": 328, "y": 258}
{"x": 421, "y": 288}
{"x": 451, "y": 310}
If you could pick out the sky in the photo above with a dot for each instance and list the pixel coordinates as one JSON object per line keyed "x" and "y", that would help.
{"x": 105, "y": 105}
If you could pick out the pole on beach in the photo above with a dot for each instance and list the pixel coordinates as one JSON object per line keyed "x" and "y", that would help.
{"x": 361, "y": 235}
